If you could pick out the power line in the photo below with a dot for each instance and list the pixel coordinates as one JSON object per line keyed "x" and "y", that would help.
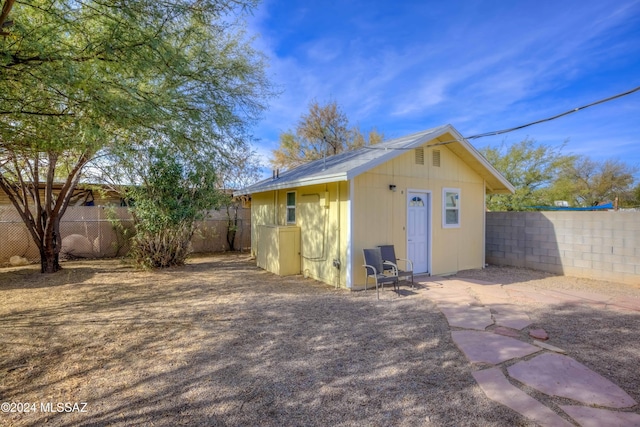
{"x": 548, "y": 119}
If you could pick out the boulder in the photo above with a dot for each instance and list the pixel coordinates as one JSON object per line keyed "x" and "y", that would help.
{"x": 76, "y": 245}
{"x": 17, "y": 260}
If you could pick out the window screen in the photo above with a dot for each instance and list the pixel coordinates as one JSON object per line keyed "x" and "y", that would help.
{"x": 451, "y": 207}
{"x": 291, "y": 207}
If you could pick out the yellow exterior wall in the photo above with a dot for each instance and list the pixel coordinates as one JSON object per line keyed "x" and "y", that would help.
{"x": 380, "y": 214}
{"x": 279, "y": 249}
{"x": 321, "y": 214}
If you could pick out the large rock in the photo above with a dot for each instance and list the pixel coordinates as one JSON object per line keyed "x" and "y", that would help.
{"x": 76, "y": 245}
{"x": 17, "y": 260}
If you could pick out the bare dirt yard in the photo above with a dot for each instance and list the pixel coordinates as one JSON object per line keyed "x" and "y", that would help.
{"x": 221, "y": 342}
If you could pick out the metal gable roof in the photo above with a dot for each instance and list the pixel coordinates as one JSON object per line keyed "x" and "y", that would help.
{"x": 347, "y": 165}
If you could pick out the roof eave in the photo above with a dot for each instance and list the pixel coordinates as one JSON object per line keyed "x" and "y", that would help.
{"x": 275, "y": 185}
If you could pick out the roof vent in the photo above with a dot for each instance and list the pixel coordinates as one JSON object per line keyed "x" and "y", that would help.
{"x": 436, "y": 158}
{"x": 419, "y": 156}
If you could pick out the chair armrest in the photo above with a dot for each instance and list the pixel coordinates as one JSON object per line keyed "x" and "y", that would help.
{"x": 393, "y": 266}
{"x": 408, "y": 261}
{"x": 367, "y": 266}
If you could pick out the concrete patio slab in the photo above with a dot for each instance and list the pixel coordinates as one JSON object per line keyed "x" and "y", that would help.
{"x": 495, "y": 294}
{"x": 510, "y": 315}
{"x": 627, "y": 303}
{"x": 457, "y": 283}
{"x": 530, "y": 295}
{"x": 496, "y": 386}
{"x": 594, "y": 417}
{"x": 466, "y": 316}
{"x": 478, "y": 282}
{"x": 488, "y": 347}
{"x": 558, "y": 375}
{"x": 576, "y": 296}
{"x": 451, "y": 297}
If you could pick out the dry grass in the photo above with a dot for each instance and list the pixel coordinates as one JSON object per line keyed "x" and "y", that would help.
{"x": 221, "y": 342}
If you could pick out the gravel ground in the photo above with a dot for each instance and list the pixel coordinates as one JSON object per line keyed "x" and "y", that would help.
{"x": 603, "y": 339}
{"x": 221, "y": 342}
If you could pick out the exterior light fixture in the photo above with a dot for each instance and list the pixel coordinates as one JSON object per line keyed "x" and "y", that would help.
{"x": 392, "y": 187}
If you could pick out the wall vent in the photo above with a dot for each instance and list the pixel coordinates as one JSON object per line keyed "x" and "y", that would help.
{"x": 419, "y": 156}
{"x": 436, "y": 158}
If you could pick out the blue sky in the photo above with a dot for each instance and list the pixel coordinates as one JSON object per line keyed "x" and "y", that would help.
{"x": 406, "y": 66}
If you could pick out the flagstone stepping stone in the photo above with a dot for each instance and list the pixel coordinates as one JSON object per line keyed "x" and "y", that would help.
{"x": 466, "y": 316}
{"x": 558, "y": 375}
{"x": 510, "y": 316}
{"x": 507, "y": 332}
{"x": 487, "y": 347}
{"x": 548, "y": 347}
{"x": 594, "y": 417}
{"x": 539, "y": 334}
{"x": 496, "y": 386}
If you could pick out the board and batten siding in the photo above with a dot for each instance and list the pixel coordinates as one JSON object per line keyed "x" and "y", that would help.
{"x": 322, "y": 215}
{"x": 380, "y": 214}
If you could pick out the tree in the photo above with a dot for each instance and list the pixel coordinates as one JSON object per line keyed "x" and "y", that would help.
{"x": 242, "y": 170}
{"x": 323, "y": 131}
{"x": 174, "y": 194}
{"x": 634, "y": 200}
{"x": 91, "y": 80}
{"x": 358, "y": 139}
{"x": 530, "y": 167}
{"x": 589, "y": 182}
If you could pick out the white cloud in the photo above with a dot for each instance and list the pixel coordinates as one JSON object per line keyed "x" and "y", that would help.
{"x": 488, "y": 68}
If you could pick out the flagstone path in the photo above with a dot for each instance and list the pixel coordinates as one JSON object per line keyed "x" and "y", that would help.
{"x": 490, "y": 327}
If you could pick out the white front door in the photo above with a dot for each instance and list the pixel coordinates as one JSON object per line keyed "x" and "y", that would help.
{"x": 418, "y": 229}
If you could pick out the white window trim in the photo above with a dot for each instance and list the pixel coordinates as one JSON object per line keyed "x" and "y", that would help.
{"x": 295, "y": 213}
{"x": 444, "y": 207}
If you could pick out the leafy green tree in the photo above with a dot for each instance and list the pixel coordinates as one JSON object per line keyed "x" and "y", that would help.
{"x": 323, "y": 131}
{"x": 174, "y": 194}
{"x": 242, "y": 169}
{"x": 587, "y": 182}
{"x": 634, "y": 199}
{"x": 531, "y": 168}
{"x": 81, "y": 81}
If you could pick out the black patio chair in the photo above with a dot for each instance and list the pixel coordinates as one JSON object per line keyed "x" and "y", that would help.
{"x": 388, "y": 254}
{"x": 375, "y": 269}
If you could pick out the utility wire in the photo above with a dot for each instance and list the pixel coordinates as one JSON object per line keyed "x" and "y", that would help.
{"x": 548, "y": 119}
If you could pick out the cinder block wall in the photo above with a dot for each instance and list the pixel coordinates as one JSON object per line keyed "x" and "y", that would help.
{"x": 598, "y": 245}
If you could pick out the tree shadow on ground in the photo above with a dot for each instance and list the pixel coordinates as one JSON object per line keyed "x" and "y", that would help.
{"x": 209, "y": 344}
{"x": 220, "y": 342}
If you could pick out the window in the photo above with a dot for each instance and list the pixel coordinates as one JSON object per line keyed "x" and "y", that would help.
{"x": 291, "y": 207}
{"x": 451, "y": 207}
{"x": 416, "y": 201}
{"x": 419, "y": 156}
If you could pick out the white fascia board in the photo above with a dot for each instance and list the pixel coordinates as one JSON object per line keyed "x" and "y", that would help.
{"x": 349, "y": 255}
{"x": 480, "y": 158}
{"x": 323, "y": 179}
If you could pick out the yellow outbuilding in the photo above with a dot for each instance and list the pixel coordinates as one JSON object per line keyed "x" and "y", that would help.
{"x": 423, "y": 193}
